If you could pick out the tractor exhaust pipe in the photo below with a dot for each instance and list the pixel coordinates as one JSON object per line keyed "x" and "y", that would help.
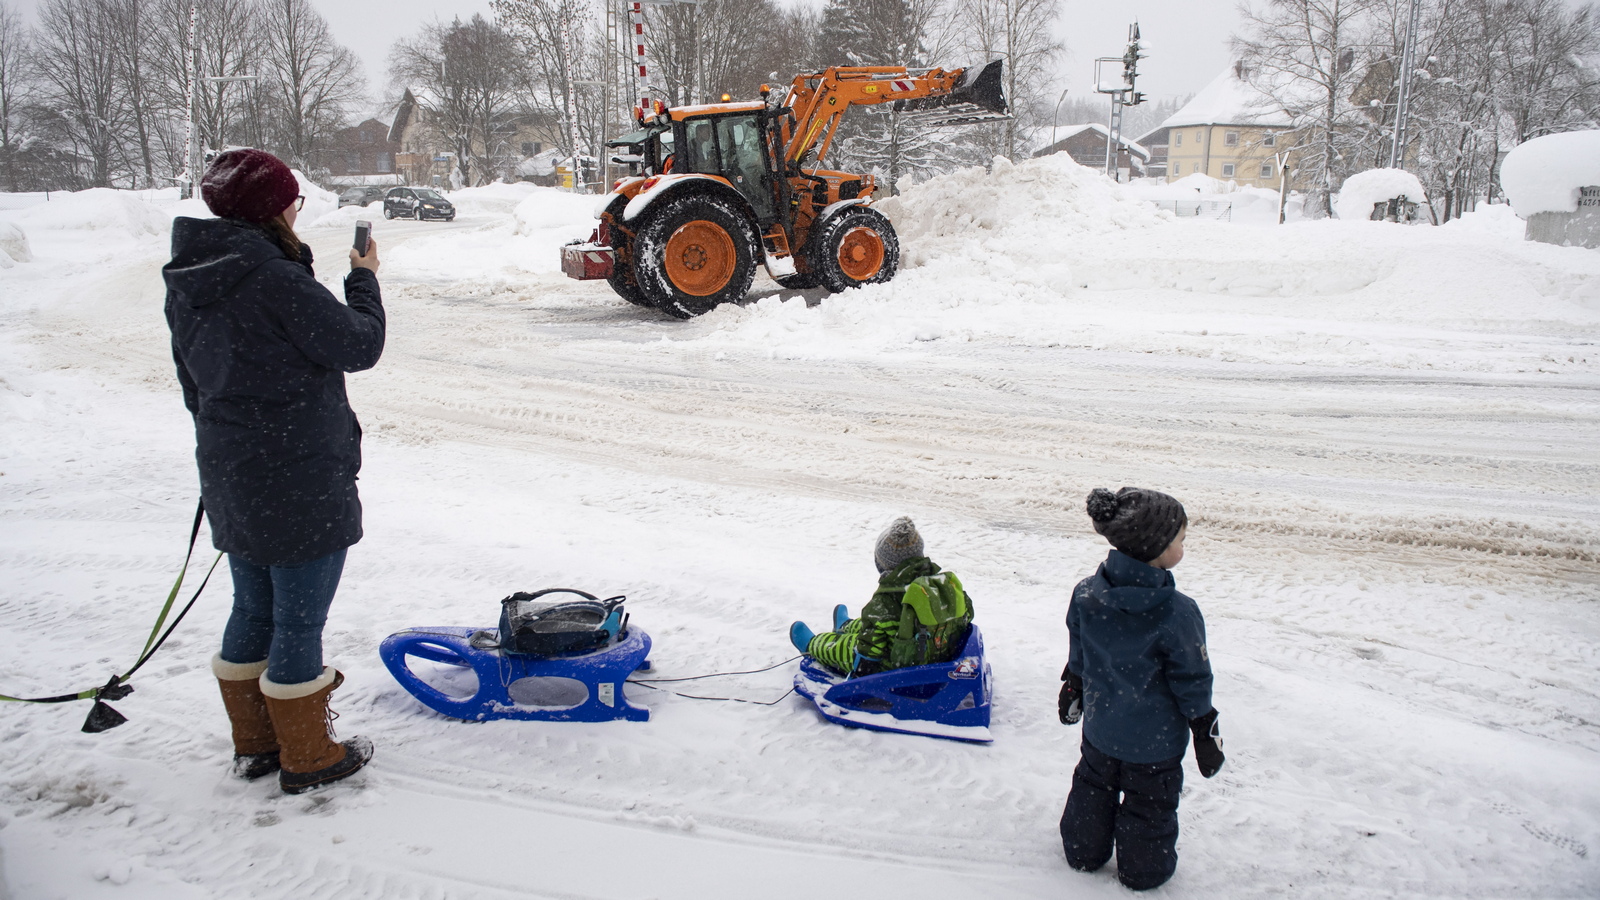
{"x": 980, "y": 97}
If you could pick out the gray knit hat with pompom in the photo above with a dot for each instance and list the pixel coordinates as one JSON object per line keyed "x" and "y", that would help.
{"x": 1138, "y": 522}
{"x": 899, "y": 543}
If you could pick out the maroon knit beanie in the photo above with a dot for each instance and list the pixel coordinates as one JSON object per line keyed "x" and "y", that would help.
{"x": 248, "y": 184}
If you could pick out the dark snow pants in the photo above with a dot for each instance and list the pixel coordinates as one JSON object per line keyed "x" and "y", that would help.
{"x": 1143, "y": 825}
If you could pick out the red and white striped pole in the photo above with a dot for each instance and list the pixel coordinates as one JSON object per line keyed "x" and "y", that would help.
{"x": 641, "y": 61}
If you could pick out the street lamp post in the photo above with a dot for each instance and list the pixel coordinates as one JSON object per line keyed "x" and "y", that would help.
{"x": 1055, "y": 117}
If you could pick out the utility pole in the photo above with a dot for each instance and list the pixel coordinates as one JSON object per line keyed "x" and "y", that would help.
{"x": 1122, "y": 95}
{"x": 1402, "y": 111}
{"x": 191, "y": 165}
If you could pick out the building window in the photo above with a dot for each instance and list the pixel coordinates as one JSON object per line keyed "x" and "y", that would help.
{"x": 1177, "y": 139}
{"x": 1230, "y": 139}
{"x": 1269, "y": 140}
{"x": 366, "y": 136}
{"x": 1177, "y": 168}
{"x": 352, "y": 162}
{"x": 385, "y": 163}
{"x": 532, "y": 148}
{"x": 1266, "y": 170}
{"x": 1227, "y": 170}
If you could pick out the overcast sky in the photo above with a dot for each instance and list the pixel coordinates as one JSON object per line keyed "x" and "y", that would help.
{"x": 1188, "y": 37}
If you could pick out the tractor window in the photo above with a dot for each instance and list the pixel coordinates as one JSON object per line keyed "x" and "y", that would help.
{"x": 699, "y": 150}
{"x": 740, "y": 140}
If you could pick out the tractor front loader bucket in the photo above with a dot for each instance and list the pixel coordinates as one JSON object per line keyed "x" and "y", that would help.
{"x": 980, "y": 97}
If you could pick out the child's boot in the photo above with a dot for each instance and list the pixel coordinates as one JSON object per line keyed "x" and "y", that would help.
{"x": 841, "y": 615}
{"x": 800, "y": 636}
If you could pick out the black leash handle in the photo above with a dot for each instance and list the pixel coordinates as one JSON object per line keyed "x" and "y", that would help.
{"x": 101, "y": 716}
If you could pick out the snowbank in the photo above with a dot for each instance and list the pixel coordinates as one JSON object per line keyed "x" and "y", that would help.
{"x": 1497, "y": 219}
{"x": 498, "y": 199}
{"x": 1025, "y": 206}
{"x": 13, "y": 245}
{"x": 546, "y": 208}
{"x": 1363, "y": 189}
{"x": 1544, "y": 174}
{"x": 318, "y": 201}
{"x": 97, "y": 209}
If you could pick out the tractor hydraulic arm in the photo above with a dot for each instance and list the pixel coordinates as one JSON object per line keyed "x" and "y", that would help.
{"x": 939, "y": 96}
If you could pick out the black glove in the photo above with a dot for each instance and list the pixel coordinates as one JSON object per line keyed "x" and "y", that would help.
{"x": 1070, "y": 703}
{"x": 1207, "y": 743}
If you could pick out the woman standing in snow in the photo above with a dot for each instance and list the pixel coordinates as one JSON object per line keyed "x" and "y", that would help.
{"x": 261, "y": 349}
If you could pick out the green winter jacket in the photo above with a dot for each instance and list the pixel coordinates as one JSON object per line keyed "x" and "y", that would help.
{"x": 890, "y": 635}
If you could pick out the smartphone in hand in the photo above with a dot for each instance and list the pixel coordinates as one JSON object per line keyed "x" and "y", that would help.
{"x": 363, "y": 236}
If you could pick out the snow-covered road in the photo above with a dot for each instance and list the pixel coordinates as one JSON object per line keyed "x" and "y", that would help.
{"x": 1397, "y": 560}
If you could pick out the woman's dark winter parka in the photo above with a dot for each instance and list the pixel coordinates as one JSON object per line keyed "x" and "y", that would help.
{"x": 261, "y": 349}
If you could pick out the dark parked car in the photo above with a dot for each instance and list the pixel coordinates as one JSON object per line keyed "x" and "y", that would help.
{"x": 417, "y": 203}
{"x": 361, "y": 196}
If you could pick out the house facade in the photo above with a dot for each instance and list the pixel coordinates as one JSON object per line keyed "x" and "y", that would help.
{"x": 1229, "y": 131}
{"x": 1086, "y": 144}
{"x": 361, "y": 154}
{"x": 424, "y": 157}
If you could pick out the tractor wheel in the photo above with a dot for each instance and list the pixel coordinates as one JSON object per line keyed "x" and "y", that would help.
{"x": 799, "y": 281}
{"x": 692, "y": 253}
{"x": 856, "y": 247}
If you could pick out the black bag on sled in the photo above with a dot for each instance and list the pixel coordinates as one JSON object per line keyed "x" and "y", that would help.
{"x": 534, "y": 625}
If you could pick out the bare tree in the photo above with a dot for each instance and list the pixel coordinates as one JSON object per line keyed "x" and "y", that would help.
{"x": 464, "y": 75}
{"x": 81, "y": 80}
{"x": 1303, "y": 54}
{"x": 552, "y": 36}
{"x": 714, "y": 47}
{"x": 15, "y": 88}
{"x": 1021, "y": 33}
{"x": 311, "y": 79}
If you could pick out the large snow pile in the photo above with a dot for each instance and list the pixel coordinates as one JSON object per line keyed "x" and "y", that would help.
{"x": 318, "y": 201}
{"x": 96, "y": 209}
{"x": 13, "y": 245}
{"x": 1363, "y": 189}
{"x": 1544, "y": 174}
{"x": 498, "y": 199}
{"x": 1025, "y": 208}
{"x": 543, "y": 209}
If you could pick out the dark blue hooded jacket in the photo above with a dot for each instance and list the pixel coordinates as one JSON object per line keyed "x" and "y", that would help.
{"x": 262, "y": 349}
{"x": 1140, "y": 648}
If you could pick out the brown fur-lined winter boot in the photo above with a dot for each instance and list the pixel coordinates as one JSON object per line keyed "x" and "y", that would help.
{"x": 255, "y": 744}
{"x": 304, "y": 725}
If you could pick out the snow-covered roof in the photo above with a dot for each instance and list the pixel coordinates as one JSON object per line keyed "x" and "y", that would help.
{"x": 1228, "y": 100}
{"x": 1546, "y": 173}
{"x": 1104, "y": 132}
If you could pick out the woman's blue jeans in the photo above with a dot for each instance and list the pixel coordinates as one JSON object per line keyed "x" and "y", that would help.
{"x": 278, "y": 614}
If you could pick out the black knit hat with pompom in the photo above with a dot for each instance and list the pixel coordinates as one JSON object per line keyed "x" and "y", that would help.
{"x": 1138, "y": 522}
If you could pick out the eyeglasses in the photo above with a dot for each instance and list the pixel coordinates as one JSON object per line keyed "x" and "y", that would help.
{"x": 299, "y": 203}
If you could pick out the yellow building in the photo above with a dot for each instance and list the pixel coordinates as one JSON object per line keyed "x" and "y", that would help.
{"x": 1229, "y": 131}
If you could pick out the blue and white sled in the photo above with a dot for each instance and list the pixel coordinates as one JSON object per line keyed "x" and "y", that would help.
{"x": 580, "y": 688}
{"x": 942, "y": 700}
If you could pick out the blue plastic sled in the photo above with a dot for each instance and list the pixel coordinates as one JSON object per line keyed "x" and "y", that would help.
{"x": 582, "y": 688}
{"x": 943, "y": 700}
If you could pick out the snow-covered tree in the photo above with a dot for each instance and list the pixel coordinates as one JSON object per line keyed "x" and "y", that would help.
{"x": 1308, "y": 57}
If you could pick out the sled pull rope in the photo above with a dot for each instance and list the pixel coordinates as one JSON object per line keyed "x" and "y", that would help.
{"x": 101, "y": 716}
{"x": 652, "y": 682}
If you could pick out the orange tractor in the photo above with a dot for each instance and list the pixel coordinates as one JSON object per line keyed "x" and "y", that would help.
{"x": 722, "y": 187}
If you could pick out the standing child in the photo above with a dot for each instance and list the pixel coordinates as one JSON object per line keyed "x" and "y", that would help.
{"x": 1138, "y": 676}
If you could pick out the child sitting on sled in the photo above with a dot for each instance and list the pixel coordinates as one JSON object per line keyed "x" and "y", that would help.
{"x": 918, "y": 615}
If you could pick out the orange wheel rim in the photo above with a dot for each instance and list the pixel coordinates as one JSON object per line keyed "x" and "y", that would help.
{"x": 861, "y": 253}
{"x": 700, "y": 258}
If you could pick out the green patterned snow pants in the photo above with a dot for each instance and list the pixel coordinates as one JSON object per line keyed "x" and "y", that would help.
{"x": 837, "y": 649}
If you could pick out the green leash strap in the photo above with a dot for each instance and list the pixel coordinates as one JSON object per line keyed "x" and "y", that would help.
{"x": 117, "y": 688}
